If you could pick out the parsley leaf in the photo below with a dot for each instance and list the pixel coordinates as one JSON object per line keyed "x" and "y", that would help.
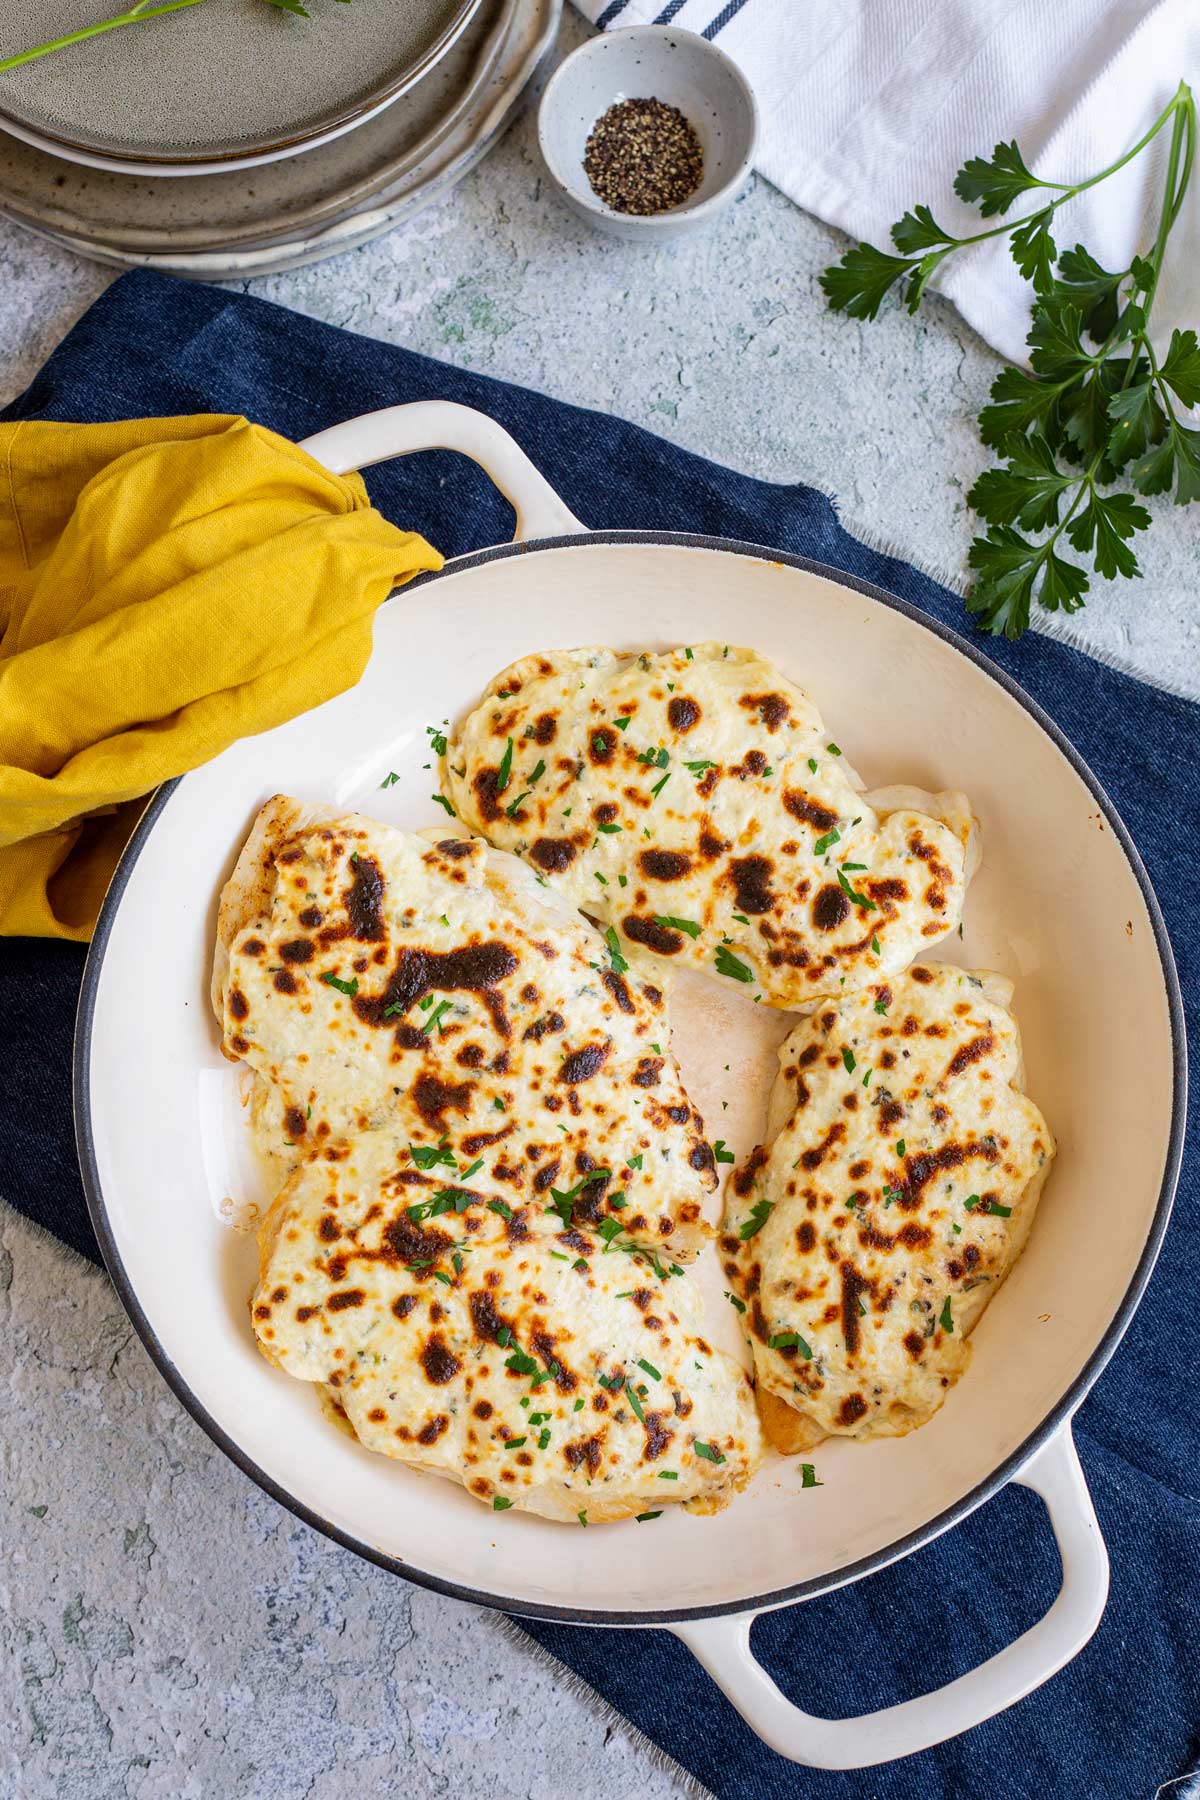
{"x": 727, "y": 964}
{"x": 674, "y": 924}
{"x": 349, "y": 988}
{"x": 504, "y": 773}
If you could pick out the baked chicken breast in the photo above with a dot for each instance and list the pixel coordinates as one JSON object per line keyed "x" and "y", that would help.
{"x": 378, "y": 981}
{"x": 694, "y": 802}
{"x": 532, "y": 1362}
{"x": 866, "y": 1240}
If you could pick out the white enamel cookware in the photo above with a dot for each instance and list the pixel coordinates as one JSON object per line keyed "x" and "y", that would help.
{"x": 1062, "y": 905}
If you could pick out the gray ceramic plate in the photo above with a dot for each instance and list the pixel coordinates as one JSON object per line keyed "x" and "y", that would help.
{"x": 224, "y": 81}
{"x": 301, "y": 211}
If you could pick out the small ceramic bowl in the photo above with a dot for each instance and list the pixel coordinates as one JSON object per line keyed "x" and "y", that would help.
{"x": 640, "y": 63}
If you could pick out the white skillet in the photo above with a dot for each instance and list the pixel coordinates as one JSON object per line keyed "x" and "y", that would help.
{"x": 1062, "y": 904}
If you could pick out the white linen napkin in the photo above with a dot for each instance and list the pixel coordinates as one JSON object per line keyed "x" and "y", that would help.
{"x": 871, "y": 105}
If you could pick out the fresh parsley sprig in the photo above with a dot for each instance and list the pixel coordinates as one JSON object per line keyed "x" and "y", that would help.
{"x": 1079, "y": 419}
{"x": 139, "y": 14}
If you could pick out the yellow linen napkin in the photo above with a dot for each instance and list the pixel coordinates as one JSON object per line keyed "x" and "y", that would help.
{"x": 166, "y": 586}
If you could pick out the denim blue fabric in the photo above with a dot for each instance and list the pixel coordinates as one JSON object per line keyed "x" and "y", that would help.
{"x": 1122, "y": 1719}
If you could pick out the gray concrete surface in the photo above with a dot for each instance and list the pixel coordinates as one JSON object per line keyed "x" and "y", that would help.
{"x": 166, "y": 1632}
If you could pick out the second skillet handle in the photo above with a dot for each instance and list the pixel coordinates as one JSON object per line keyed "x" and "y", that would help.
{"x": 722, "y": 1645}
{"x": 441, "y": 425}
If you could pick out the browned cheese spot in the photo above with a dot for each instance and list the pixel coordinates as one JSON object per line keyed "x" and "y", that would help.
{"x": 809, "y": 812}
{"x": 772, "y": 709}
{"x": 439, "y": 1361}
{"x": 552, "y": 854}
{"x": 829, "y": 908}
{"x": 751, "y": 877}
{"x": 655, "y": 937}
{"x": 682, "y": 713}
{"x": 665, "y": 865}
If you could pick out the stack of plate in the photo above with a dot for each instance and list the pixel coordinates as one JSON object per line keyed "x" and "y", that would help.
{"x": 295, "y": 138}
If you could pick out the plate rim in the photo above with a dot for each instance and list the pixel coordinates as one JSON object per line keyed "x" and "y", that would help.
{"x": 93, "y": 153}
{"x": 984, "y": 1490}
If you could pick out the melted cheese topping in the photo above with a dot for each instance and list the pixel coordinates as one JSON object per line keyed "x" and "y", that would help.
{"x": 693, "y": 801}
{"x": 868, "y": 1239}
{"x": 377, "y": 982}
{"x": 531, "y": 1363}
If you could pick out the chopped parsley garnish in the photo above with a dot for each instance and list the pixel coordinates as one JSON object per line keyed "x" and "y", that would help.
{"x": 668, "y": 1475}
{"x": 350, "y": 988}
{"x": 504, "y": 1338}
{"x": 649, "y": 1368}
{"x": 500, "y": 1504}
{"x": 514, "y": 806}
{"x": 600, "y": 744}
{"x": 520, "y": 1364}
{"x": 544, "y": 1438}
{"x": 881, "y": 1006}
{"x": 499, "y": 1104}
{"x": 578, "y": 1406}
{"x": 635, "y": 1162}
{"x": 608, "y": 830}
{"x": 622, "y": 881}
{"x": 622, "y": 723}
{"x": 390, "y": 779}
{"x": 473, "y": 1170}
{"x": 848, "y": 887}
{"x": 504, "y": 773}
{"x": 513, "y": 1443}
{"x": 582, "y": 1516}
{"x": 760, "y": 1212}
{"x": 867, "y": 1077}
{"x": 564, "y": 1200}
{"x": 635, "y": 1403}
{"x": 655, "y": 759}
{"x": 808, "y": 1476}
{"x": 812, "y": 763}
{"x": 827, "y": 842}
{"x": 617, "y": 1201}
{"x": 619, "y": 965}
{"x": 901, "y": 1147}
{"x": 441, "y": 800}
{"x": 700, "y": 767}
{"x": 440, "y": 1275}
{"x": 437, "y": 741}
{"x": 688, "y": 655}
{"x": 738, "y": 1305}
{"x": 660, "y": 784}
{"x": 727, "y": 964}
{"x": 674, "y": 924}
{"x": 642, "y": 1518}
{"x": 602, "y": 879}
{"x": 425, "y": 1156}
{"x": 435, "y": 1017}
{"x": 875, "y": 946}
{"x": 741, "y": 918}
{"x": 708, "y": 1452}
{"x": 789, "y": 1340}
{"x": 502, "y": 1208}
{"x": 946, "y": 1321}
{"x": 833, "y": 750}
{"x": 848, "y": 1059}
{"x": 721, "y": 1153}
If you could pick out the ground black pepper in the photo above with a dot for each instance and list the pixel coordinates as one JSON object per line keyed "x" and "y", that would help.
{"x": 643, "y": 157}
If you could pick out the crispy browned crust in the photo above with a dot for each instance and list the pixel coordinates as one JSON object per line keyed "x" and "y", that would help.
{"x": 785, "y": 1429}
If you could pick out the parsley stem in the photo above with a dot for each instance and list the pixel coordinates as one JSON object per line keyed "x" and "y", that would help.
{"x": 134, "y": 16}
{"x": 1182, "y": 109}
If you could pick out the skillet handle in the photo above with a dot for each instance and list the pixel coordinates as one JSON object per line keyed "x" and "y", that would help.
{"x": 722, "y": 1645}
{"x": 441, "y": 425}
